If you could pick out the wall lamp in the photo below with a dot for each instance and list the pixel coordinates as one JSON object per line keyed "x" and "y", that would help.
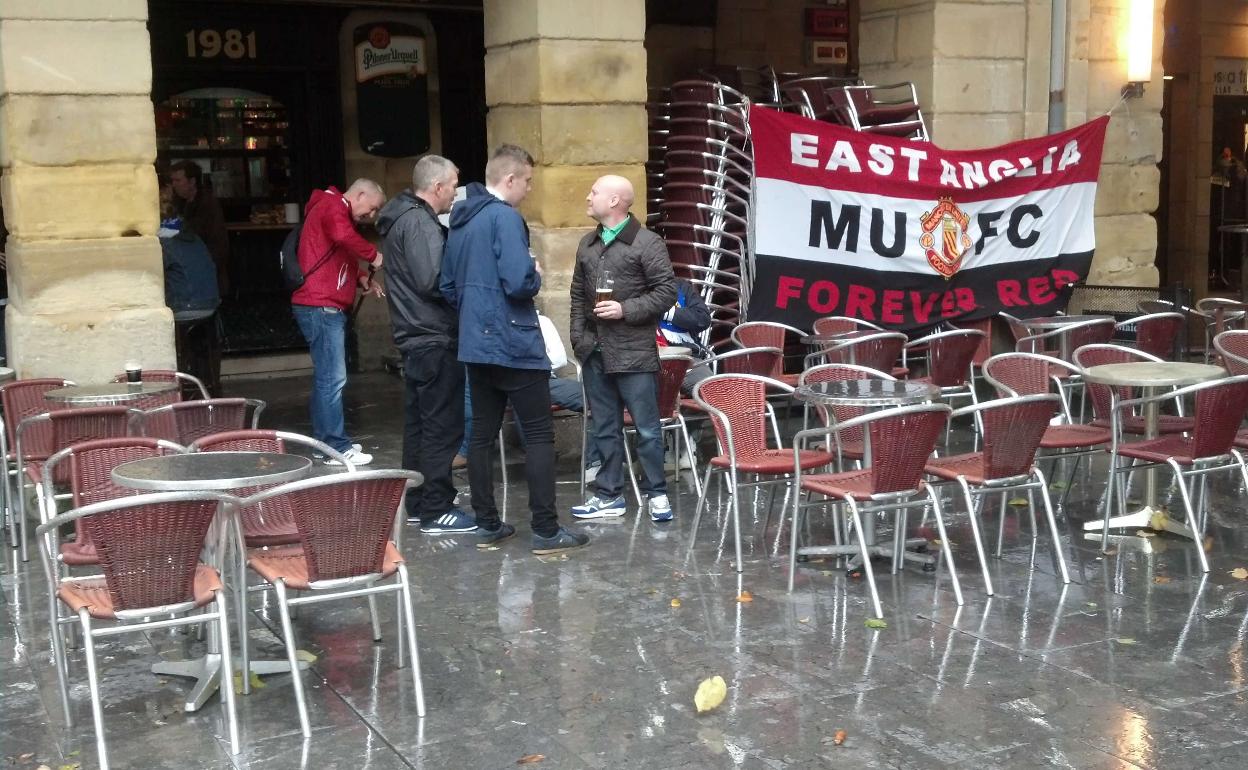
{"x": 1139, "y": 47}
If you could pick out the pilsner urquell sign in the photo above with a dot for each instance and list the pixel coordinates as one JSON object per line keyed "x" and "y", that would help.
{"x": 906, "y": 234}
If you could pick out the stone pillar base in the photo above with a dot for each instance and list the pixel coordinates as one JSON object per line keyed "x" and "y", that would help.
{"x": 79, "y": 346}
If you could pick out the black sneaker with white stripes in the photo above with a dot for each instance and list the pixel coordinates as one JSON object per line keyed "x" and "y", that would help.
{"x": 451, "y": 522}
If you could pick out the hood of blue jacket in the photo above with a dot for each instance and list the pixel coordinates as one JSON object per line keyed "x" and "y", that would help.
{"x": 477, "y": 199}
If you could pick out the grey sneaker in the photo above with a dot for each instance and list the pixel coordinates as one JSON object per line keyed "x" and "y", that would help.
{"x": 660, "y": 509}
{"x": 561, "y": 541}
{"x": 489, "y": 537}
{"x": 600, "y": 507}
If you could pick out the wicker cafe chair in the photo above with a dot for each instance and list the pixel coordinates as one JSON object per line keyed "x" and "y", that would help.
{"x": 849, "y": 443}
{"x": 67, "y": 427}
{"x": 195, "y": 419}
{"x": 1220, "y": 408}
{"x": 839, "y": 324}
{"x": 338, "y": 556}
{"x": 737, "y": 404}
{"x": 149, "y": 548}
{"x": 1102, "y": 396}
{"x": 1232, "y": 346}
{"x": 1012, "y": 431}
{"x": 163, "y": 425}
{"x": 756, "y": 361}
{"x": 1029, "y": 374}
{"x": 901, "y": 441}
{"x": 672, "y": 370}
{"x": 765, "y": 334}
{"x": 949, "y": 357}
{"x": 22, "y": 399}
{"x": 875, "y": 350}
{"x": 1155, "y": 333}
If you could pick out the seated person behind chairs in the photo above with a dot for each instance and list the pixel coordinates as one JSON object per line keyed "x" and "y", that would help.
{"x": 191, "y": 292}
{"x": 565, "y": 393}
{"x": 680, "y": 326}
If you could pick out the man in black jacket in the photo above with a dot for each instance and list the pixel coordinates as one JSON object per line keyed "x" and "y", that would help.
{"x": 615, "y": 340}
{"x": 425, "y": 331}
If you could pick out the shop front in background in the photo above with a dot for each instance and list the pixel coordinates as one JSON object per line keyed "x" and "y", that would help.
{"x": 250, "y": 95}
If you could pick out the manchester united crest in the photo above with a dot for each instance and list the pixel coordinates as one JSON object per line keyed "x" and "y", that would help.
{"x": 948, "y": 223}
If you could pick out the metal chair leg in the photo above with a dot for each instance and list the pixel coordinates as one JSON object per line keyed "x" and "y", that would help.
{"x": 58, "y": 655}
{"x": 866, "y": 557}
{"x": 973, "y": 516}
{"x": 227, "y": 671}
{"x": 691, "y": 452}
{"x": 944, "y": 545}
{"x": 240, "y": 609}
{"x": 406, "y": 592}
{"x": 1053, "y": 531}
{"x": 1197, "y": 532}
{"x": 632, "y": 472}
{"x": 93, "y": 681}
{"x": 1001, "y": 522}
{"x": 372, "y": 615}
{"x": 296, "y": 676}
{"x": 793, "y": 525}
{"x": 736, "y": 515}
{"x": 697, "y": 511}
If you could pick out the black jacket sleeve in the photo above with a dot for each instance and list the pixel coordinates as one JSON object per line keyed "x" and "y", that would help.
{"x": 694, "y": 316}
{"x": 647, "y": 308}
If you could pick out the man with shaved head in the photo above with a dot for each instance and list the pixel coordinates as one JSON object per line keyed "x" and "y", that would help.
{"x": 622, "y": 285}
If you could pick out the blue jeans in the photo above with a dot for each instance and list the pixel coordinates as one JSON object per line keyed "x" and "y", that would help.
{"x": 325, "y": 330}
{"x": 609, "y": 395}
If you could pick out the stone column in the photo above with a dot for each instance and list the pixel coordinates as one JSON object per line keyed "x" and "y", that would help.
{"x": 566, "y": 80}
{"x": 77, "y": 144}
{"x": 982, "y": 70}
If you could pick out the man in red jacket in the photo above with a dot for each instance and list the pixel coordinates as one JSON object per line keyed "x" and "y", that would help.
{"x": 330, "y": 253}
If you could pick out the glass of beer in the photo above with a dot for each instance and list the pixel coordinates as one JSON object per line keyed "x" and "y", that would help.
{"x": 606, "y": 287}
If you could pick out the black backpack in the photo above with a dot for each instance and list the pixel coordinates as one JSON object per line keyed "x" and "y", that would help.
{"x": 292, "y": 274}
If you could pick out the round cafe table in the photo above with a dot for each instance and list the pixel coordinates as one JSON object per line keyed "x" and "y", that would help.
{"x": 7, "y": 374}
{"x": 1150, "y": 377}
{"x": 210, "y": 471}
{"x": 107, "y": 394}
{"x": 869, "y": 393}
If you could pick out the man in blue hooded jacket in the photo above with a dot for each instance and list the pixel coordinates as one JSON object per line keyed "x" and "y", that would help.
{"x": 490, "y": 277}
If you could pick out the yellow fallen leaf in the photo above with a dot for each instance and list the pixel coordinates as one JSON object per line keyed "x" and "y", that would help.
{"x": 825, "y": 572}
{"x": 1158, "y": 520}
{"x": 256, "y": 684}
{"x": 745, "y": 596}
{"x": 711, "y": 692}
{"x": 1018, "y": 502}
{"x": 1162, "y": 579}
{"x": 803, "y": 620}
{"x": 1239, "y": 573}
{"x": 305, "y": 657}
{"x": 1145, "y": 533}
{"x": 1208, "y": 542}
{"x": 876, "y": 623}
{"x": 531, "y": 759}
{"x": 839, "y": 737}
{"x": 1125, "y": 640}
{"x": 675, "y": 602}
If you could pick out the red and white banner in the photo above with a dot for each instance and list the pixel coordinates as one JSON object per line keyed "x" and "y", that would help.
{"x": 906, "y": 235}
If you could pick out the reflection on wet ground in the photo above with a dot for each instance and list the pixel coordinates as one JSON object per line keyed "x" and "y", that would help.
{"x": 584, "y": 660}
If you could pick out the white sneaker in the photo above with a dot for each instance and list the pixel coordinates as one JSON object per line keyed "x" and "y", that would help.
{"x": 353, "y": 454}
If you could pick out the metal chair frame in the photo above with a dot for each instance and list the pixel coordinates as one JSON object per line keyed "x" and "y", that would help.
{"x": 899, "y": 502}
{"x": 1133, "y": 325}
{"x": 13, "y": 483}
{"x": 255, "y": 405}
{"x": 844, "y": 346}
{"x": 366, "y": 585}
{"x": 138, "y": 619}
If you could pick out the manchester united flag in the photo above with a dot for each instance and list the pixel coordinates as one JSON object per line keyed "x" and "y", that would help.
{"x": 906, "y": 235}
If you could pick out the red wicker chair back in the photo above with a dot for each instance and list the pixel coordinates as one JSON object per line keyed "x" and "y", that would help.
{"x": 1233, "y": 345}
{"x": 161, "y": 425}
{"x": 196, "y": 419}
{"x": 149, "y": 551}
{"x": 840, "y": 373}
{"x": 22, "y": 399}
{"x": 743, "y": 401}
{"x": 1090, "y": 334}
{"x": 949, "y": 358}
{"x": 1156, "y": 335}
{"x": 760, "y": 362}
{"x": 1220, "y": 409}
{"x": 762, "y": 335}
{"x": 1019, "y": 372}
{"x": 247, "y": 440}
{"x": 875, "y": 352}
{"x": 834, "y": 325}
{"x": 901, "y": 445}
{"x": 1105, "y": 354}
{"x": 265, "y": 516}
{"x": 984, "y": 351}
{"x": 672, "y": 373}
{"x": 344, "y": 526}
{"x": 91, "y": 466}
{"x": 74, "y": 426}
{"x": 1012, "y": 432}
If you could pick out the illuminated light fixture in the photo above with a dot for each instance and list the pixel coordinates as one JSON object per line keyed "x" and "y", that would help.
{"x": 1139, "y": 47}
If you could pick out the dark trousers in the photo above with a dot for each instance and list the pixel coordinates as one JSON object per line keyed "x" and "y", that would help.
{"x": 609, "y": 395}
{"x": 433, "y": 423}
{"x": 528, "y": 392}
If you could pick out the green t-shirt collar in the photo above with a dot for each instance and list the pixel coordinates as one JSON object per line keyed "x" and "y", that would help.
{"x": 610, "y": 233}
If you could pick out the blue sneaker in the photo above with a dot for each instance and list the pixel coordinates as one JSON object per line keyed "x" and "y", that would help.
{"x": 660, "y": 509}
{"x": 600, "y": 508}
{"x": 453, "y": 521}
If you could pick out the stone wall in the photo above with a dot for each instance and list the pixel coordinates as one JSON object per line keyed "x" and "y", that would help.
{"x": 566, "y": 80}
{"x": 982, "y": 72}
{"x": 77, "y": 144}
